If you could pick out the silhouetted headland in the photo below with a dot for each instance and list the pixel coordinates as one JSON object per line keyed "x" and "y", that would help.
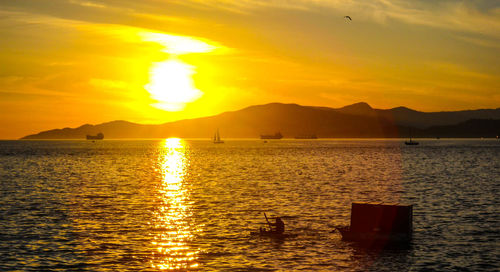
{"x": 354, "y": 121}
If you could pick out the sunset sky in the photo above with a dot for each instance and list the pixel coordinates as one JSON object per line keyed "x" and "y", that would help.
{"x": 64, "y": 63}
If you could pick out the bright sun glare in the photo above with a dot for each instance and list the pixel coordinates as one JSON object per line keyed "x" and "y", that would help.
{"x": 171, "y": 85}
{"x": 171, "y": 82}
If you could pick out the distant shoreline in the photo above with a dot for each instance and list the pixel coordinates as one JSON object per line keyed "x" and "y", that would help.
{"x": 258, "y": 139}
{"x": 291, "y": 120}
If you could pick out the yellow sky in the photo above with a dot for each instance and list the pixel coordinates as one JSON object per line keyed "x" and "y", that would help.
{"x": 64, "y": 63}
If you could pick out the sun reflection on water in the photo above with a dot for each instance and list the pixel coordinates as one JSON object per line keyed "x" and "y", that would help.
{"x": 172, "y": 231}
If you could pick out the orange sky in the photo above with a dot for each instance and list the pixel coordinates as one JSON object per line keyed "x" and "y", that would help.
{"x": 64, "y": 63}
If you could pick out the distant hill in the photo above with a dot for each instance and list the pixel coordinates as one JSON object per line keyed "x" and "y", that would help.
{"x": 358, "y": 121}
{"x": 407, "y": 117}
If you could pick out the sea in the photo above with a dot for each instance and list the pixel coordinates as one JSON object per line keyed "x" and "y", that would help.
{"x": 191, "y": 205}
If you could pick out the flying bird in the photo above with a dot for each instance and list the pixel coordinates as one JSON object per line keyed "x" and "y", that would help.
{"x": 348, "y": 17}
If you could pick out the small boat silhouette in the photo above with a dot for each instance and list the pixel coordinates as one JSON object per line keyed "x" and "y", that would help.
{"x": 411, "y": 142}
{"x": 99, "y": 136}
{"x": 217, "y": 139}
{"x": 277, "y": 135}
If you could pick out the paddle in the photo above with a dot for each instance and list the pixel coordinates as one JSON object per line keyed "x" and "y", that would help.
{"x": 270, "y": 227}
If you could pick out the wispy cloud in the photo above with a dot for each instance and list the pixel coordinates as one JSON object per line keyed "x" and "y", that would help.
{"x": 13, "y": 18}
{"x": 458, "y": 70}
{"x": 108, "y": 84}
{"x": 88, "y": 4}
{"x": 480, "y": 41}
{"x": 451, "y": 15}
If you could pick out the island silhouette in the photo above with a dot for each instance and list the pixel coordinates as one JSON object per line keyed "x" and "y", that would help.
{"x": 358, "y": 120}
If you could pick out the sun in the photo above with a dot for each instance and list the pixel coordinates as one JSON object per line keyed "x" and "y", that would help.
{"x": 170, "y": 82}
{"x": 172, "y": 85}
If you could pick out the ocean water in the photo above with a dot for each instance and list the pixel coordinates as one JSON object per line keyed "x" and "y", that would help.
{"x": 153, "y": 205}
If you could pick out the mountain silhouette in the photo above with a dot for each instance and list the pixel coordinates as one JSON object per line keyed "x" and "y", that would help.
{"x": 359, "y": 120}
{"x": 360, "y": 108}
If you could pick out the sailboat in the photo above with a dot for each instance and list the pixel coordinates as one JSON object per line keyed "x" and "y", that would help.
{"x": 411, "y": 142}
{"x": 217, "y": 139}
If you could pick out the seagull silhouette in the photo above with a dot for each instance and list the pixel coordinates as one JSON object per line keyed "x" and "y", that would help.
{"x": 348, "y": 17}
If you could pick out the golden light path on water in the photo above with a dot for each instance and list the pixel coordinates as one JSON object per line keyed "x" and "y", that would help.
{"x": 172, "y": 229}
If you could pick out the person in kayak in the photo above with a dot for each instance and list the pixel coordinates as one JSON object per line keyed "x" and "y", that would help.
{"x": 279, "y": 226}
